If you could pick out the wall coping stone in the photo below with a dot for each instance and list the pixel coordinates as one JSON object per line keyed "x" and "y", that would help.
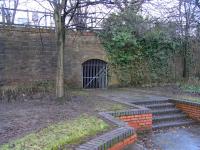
{"x": 115, "y": 136}
{"x": 185, "y": 102}
{"x": 43, "y": 30}
{"x": 130, "y": 112}
{"x": 108, "y": 139}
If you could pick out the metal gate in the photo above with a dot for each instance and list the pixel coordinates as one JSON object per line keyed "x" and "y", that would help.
{"x": 94, "y": 74}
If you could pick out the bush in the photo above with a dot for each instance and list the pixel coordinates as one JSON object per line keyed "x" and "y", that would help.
{"x": 139, "y": 52}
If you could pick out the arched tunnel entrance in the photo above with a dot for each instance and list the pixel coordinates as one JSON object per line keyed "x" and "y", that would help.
{"x": 94, "y": 74}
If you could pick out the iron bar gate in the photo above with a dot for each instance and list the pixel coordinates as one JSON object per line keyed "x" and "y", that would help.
{"x": 94, "y": 74}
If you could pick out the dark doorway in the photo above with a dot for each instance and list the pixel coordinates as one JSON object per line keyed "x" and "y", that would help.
{"x": 94, "y": 74}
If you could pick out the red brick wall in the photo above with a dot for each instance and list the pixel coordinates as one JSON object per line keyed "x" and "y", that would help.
{"x": 139, "y": 122}
{"x": 124, "y": 143}
{"x": 192, "y": 111}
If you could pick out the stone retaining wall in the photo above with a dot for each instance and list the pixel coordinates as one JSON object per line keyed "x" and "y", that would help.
{"x": 29, "y": 54}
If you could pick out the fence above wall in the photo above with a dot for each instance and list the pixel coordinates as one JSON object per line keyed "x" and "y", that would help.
{"x": 42, "y": 19}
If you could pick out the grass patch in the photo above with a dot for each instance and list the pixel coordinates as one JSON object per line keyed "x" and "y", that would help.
{"x": 57, "y": 136}
{"x": 116, "y": 107}
{"x": 79, "y": 92}
{"x": 190, "y": 98}
{"x": 192, "y": 85}
{"x": 110, "y": 106}
{"x": 191, "y": 88}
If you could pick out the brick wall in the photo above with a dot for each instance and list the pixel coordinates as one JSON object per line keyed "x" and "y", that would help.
{"x": 121, "y": 145}
{"x": 24, "y": 58}
{"x": 138, "y": 121}
{"x": 128, "y": 121}
{"x": 193, "y": 111}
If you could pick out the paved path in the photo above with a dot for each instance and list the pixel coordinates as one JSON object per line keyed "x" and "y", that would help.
{"x": 131, "y": 95}
{"x": 179, "y": 139}
{"x": 174, "y": 139}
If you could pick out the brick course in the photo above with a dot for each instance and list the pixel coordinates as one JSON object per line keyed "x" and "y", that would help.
{"x": 139, "y": 121}
{"x": 124, "y": 143}
{"x": 192, "y": 111}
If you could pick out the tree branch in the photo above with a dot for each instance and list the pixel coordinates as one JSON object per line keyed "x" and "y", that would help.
{"x": 197, "y": 3}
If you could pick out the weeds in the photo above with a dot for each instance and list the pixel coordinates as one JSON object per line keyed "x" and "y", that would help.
{"x": 12, "y": 93}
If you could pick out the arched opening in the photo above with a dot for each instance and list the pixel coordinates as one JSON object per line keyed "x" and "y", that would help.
{"x": 94, "y": 74}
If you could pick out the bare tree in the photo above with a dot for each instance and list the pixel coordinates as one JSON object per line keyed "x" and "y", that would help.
{"x": 124, "y": 4}
{"x": 70, "y": 14}
{"x": 9, "y": 15}
{"x": 65, "y": 12}
{"x": 187, "y": 16}
{"x": 198, "y": 3}
{"x": 80, "y": 18}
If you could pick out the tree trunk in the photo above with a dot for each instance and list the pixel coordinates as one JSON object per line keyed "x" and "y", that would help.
{"x": 16, "y": 2}
{"x": 184, "y": 67}
{"x": 60, "y": 37}
{"x": 186, "y": 57}
{"x": 186, "y": 45}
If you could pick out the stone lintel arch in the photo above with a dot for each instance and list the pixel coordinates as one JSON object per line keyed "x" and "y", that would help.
{"x": 103, "y": 58}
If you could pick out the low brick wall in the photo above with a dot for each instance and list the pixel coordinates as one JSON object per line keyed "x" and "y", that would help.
{"x": 190, "y": 108}
{"x": 128, "y": 122}
{"x": 117, "y": 139}
{"x": 138, "y": 119}
{"x": 139, "y": 122}
{"x": 124, "y": 143}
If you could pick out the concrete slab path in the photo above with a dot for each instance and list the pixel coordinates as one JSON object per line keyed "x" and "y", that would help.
{"x": 174, "y": 139}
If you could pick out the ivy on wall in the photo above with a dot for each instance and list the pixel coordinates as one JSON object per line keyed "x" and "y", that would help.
{"x": 139, "y": 50}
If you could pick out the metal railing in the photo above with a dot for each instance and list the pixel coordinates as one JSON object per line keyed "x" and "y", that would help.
{"x": 43, "y": 19}
{"x": 26, "y": 18}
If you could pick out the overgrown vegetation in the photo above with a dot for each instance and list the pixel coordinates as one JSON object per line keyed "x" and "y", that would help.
{"x": 15, "y": 92}
{"x": 189, "y": 98}
{"x": 12, "y": 93}
{"x": 60, "y": 135}
{"x": 139, "y": 50}
{"x": 191, "y": 86}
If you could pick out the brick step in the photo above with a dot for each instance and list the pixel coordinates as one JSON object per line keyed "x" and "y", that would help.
{"x": 165, "y": 118}
{"x": 173, "y": 124}
{"x": 165, "y": 111}
{"x": 149, "y": 102}
{"x": 160, "y": 105}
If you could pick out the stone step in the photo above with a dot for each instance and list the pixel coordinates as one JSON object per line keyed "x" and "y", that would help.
{"x": 169, "y": 117}
{"x": 165, "y": 114}
{"x": 166, "y": 111}
{"x": 160, "y": 105}
{"x": 173, "y": 124}
{"x": 148, "y": 102}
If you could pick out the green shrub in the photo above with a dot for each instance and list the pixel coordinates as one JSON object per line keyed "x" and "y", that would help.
{"x": 139, "y": 51}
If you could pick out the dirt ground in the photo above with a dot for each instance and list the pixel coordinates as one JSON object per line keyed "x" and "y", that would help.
{"x": 21, "y": 117}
